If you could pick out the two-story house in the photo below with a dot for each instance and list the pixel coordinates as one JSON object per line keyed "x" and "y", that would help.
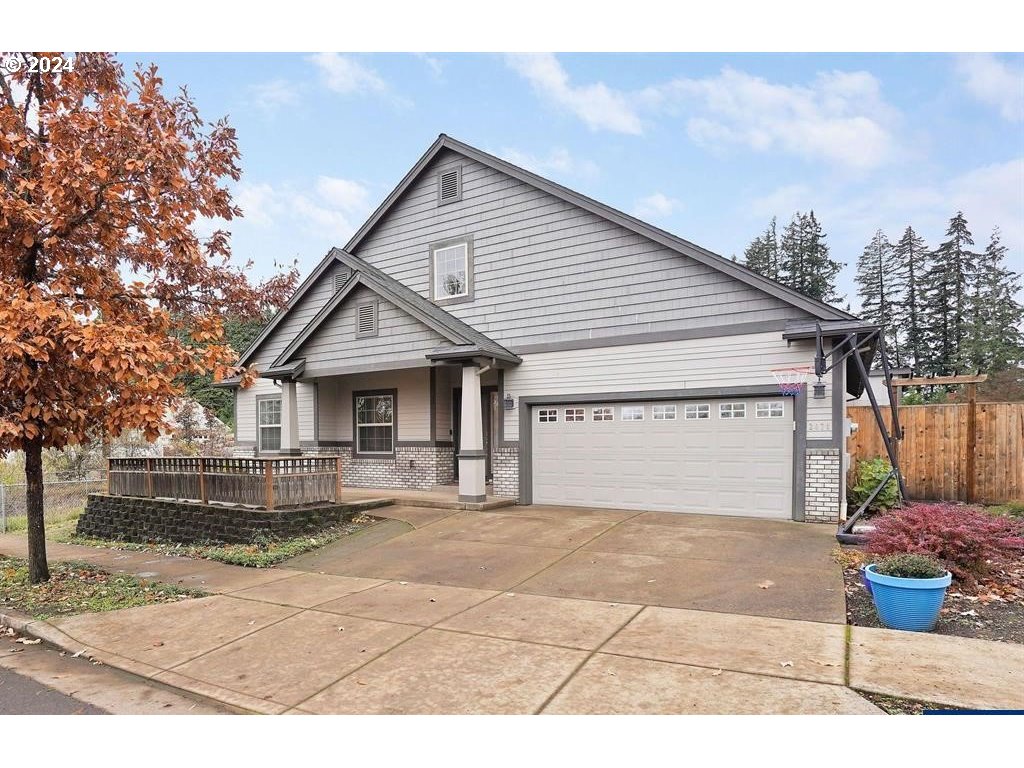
{"x": 488, "y": 326}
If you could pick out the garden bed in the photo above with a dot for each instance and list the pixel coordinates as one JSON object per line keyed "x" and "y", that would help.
{"x": 261, "y": 552}
{"x": 993, "y": 610}
{"x": 80, "y": 588}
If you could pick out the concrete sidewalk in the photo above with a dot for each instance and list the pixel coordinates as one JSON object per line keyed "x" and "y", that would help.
{"x": 280, "y": 640}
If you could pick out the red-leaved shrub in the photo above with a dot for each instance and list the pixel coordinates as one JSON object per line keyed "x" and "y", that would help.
{"x": 965, "y": 539}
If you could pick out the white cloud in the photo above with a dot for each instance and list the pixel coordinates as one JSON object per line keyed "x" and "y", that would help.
{"x": 558, "y": 162}
{"x": 990, "y": 195}
{"x": 995, "y": 83}
{"x": 343, "y": 74}
{"x": 434, "y": 64}
{"x": 597, "y": 105}
{"x": 840, "y": 117}
{"x": 274, "y": 94}
{"x": 656, "y": 206}
{"x": 331, "y": 210}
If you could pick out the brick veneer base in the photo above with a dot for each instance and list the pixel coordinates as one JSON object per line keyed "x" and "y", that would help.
{"x": 129, "y": 518}
{"x": 821, "y": 494}
{"x": 505, "y": 471}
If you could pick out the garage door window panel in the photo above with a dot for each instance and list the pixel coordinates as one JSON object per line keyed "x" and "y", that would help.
{"x": 697, "y": 411}
{"x": 663, "y": 413}
{"x": 769, "y": 411}
{"x": 575, "y": 414}
{"x": 632, "y": 413}
{"x": 603, "y": 414}
{"x": 547, "y": 415}
{"x": 732, "y": 411}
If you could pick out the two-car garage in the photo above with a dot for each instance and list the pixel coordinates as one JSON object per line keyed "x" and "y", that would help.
{"x": 729, "y": 456}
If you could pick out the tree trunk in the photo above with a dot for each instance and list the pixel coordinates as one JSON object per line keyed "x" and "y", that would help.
{"x": 37, "y": 568}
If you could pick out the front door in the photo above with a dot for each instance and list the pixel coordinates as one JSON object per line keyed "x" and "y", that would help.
{"x": 488, "y": 406}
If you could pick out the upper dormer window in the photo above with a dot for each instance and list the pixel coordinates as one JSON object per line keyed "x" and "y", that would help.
{"x": 449, "y": 185}
{"x": 451, "y": 267}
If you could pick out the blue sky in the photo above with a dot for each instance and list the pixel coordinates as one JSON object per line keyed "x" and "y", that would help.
{"x": 706, "y": 146}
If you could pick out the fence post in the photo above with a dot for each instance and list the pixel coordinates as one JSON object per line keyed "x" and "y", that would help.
{"x": 202, "y": 479}
{"x": 972, "y": 440}
{"x": 106, "y": 487}
{"x": 337, "y": 479}
{"x": 268, "y": 466}
{"x": 149, "y": 477}
{"x": 3, "y": 508}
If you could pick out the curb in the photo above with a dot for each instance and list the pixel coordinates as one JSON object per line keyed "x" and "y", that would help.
{"x": 41, "y": 629}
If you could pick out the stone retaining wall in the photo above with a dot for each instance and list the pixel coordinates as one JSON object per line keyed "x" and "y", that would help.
{"x": 128, "y": 518}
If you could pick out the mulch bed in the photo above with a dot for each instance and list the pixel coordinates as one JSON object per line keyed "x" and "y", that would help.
{"x": 992, "y": 610}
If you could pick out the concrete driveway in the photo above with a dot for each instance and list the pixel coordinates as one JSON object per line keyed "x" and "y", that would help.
{"x": 702, "y": 562}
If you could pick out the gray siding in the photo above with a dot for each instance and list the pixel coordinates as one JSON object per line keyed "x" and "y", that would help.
{"x": 318, "y": 295}
{"x": 399, "y": 338}
{"x": 727, "y": 361}
{"x": 413, "y": 385}
{"x": 545, "y": 270}
{"x": 245, "y": 429}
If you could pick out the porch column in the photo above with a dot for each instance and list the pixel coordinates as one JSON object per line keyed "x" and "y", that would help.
{"x": 472, "y": 459}
{"x": 289, "y": 418}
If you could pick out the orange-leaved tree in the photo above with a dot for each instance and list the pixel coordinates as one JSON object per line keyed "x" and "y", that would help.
{"x": 104, "y": 182}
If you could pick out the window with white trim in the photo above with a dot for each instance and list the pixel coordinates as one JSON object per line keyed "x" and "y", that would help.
{"x": 547, "y": 415}
{"x": 769, "y": 410}
{"x": 268, "y": 413}
{"x": 696, "y": 411}
{"x": 631, "y": 413}
{"x": 663, "y": 413}
{"x": 375, "y": 423}
{"x": 575, "y": 414}
{"x": 602, "y": 414}
{"x": 451, "y": 271}
{"x": 732, "y": 410}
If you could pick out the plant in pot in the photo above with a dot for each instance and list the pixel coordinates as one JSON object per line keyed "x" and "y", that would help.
{"x": 908, "y": 590}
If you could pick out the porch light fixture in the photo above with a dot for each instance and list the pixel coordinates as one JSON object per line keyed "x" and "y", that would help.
{"x": 510, "y": 404}
{"x": 819, "y": 389}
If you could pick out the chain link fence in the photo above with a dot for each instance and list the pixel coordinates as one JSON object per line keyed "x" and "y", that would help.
{"x": 62, "y": 500}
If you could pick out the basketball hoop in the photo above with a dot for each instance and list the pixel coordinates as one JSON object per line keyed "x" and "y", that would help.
{"x": 791, "y": 380}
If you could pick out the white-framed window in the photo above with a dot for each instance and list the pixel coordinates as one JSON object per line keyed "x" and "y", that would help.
{"x": 268, "y": 412}
{"x": 769, "y": 410}
{"x": 732, "y": 410}
{"x": 663, "y": 413}
{"x": 375, "y": 423}
{"x": 575, "y": 414}
{"x": 547, "y": 415}
{"x": 696, "y": 411}
{"x": 451, "y": 271}
{"x": 631, "y": 413}
{"x": 602, "y": 414}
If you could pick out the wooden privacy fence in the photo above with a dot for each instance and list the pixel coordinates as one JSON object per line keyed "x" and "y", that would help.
{"x": 938, "y": 456}
{"x": 268, "y": 483}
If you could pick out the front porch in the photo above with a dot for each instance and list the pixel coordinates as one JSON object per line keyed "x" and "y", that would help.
{"x": 404, "y": 429}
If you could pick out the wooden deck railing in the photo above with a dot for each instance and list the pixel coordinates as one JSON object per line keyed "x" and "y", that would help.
{"x": 268, "y": 483}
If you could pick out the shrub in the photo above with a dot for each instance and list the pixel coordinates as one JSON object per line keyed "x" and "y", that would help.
{"x": 906, "y": 566}
{"x": 869, "y": 474}
{"x": 964, "y": 539}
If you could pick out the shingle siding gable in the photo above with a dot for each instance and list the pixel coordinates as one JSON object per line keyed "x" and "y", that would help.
{"x": 546, "y": 270}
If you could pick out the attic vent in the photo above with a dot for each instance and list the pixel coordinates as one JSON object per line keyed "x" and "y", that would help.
{"x": 450, "y": 186}
{"x": 341, "y": 277}
{"x": 366, "y": 320}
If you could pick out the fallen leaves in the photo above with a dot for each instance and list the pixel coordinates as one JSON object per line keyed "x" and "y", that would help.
{"x": 766, "y": 584}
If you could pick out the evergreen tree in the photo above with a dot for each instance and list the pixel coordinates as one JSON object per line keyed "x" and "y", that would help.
{"x": 762, "y": 255}
{"x": 995, "y": 341}
{"x": 947, "y": 293}
{"x": 877, "y": 287}
{"x": 804, "y": 260}
{"x": 910, "y": 262}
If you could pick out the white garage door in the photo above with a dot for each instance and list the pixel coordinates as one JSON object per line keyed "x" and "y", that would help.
{"x": 728, "y": 457}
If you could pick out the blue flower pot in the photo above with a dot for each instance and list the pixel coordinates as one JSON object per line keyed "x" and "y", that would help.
{"x": 864, "y": 579}
{"x": 908, "y": 604}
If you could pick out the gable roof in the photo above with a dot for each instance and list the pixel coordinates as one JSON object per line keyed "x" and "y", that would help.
{"x": 467, "y": 341}
{"x": 816, "y": 308}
